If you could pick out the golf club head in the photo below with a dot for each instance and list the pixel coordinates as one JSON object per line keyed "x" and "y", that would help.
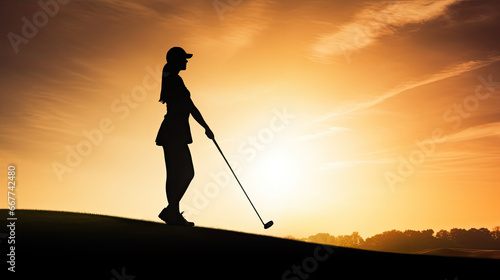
{"x": 268, "y": 225}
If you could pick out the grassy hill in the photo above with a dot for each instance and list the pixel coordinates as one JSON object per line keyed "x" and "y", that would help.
{"x": 461, "y": 252}
{"x": 64, "y": 245}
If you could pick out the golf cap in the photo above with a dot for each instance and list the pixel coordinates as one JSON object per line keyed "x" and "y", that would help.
{"x": 177, "y": 53}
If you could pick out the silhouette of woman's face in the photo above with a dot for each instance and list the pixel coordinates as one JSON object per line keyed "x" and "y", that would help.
{"x": 184, "y": 64}
{"x": 180, "y": 64}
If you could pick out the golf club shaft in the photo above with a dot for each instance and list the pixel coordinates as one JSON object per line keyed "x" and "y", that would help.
{"x": 218, "y": 148}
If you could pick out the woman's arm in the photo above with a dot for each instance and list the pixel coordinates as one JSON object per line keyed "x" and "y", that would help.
{"x": 199, "y": 118}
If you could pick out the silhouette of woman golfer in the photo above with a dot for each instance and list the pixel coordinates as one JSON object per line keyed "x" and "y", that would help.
{"x": 174, "y": 134}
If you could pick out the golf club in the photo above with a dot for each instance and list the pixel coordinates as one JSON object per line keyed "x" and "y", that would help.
{"x": 266, "y": 225}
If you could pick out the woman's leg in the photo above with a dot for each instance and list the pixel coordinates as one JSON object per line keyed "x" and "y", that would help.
{"x": 180, "y": 172}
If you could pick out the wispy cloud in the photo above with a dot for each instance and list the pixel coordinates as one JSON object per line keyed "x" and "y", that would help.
{"x": 374, "y": 22}
{"x": 476, "y": 132}
{"x": 449, "y": 72}
{"x": 476, "y": 166}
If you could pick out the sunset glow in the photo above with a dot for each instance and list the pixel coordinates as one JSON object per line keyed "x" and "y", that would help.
{"x": 337, "y": 116}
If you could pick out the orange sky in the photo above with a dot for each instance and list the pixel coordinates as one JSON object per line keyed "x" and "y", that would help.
{"x": 338, "y": 116}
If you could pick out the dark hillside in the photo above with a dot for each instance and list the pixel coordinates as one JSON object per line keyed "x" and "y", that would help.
{"x": 63, "y": 245}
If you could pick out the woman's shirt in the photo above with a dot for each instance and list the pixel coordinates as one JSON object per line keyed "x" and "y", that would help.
{"x": 175, "y": 126}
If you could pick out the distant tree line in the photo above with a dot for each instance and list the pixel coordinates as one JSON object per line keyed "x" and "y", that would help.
{"x": 414, "y": 240}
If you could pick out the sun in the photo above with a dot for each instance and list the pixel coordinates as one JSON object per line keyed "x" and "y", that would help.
{"x": 276, "y": 172}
